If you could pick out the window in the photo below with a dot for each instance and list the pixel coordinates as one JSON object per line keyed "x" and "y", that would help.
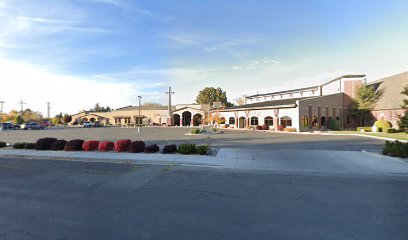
{"x": 314, "y": 122}
{"x": 305, "y": 121}
{"x": 268, "y": 121}
{"x": 231, "y": 121}
{"x": 286, "y": 121}
{"x": 323, "y": 121}
{"x": 222, "y": 120}
{"x": 254, "y": 121}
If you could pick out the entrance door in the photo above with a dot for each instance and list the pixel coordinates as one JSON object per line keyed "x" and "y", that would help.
{"x": 242, "y": 122}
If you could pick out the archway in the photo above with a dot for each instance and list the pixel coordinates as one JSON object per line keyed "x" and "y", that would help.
{"x": 186, "y": 118}
{"x": 242, "y": 122}
{"x": 176, "y": 119}
{"x": 231, "y": 121}
{"x": 323, "y": 121}
{"x": 268, "y": 121}
{"x": 286, "y": 121}
{"x": 197, "y": 119}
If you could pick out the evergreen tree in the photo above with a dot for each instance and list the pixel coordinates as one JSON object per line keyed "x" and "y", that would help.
{"x": 209, "y": 95}
{"x": 364, "y": 102}
{"x": 19, "y": 119}
{"x": 403, "y": 122}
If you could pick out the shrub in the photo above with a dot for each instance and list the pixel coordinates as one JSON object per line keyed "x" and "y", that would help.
{"x": 169, "y": 149}
{"x": 290, "y": 130}
{"x": 195, "y": 131}
{"x": 382, "y": 124}
{"x": 366, "y": 129}
{"x": 259, "y": 127}
{"x": 265, "y": 127}
{"x": 334, "y": 124}
{"x": 3, "y": 144}
{"x": 74, "y": 145}
{"x": 389, "y": 130}
{"x": 187, "y": 148}
{"x": 280, "y": 127}
{"x": 58, "y": 145}
{"x": 137, "y": 147}
{"x": 226, "y": 126}
{"x": 106, "y": 146}
{"x": 20, "y": 145}
{"x": 75, "y": 123}
{"x": 202, "y": 149}
{"x": 91, "y": 145}
{"x": 395, "y": 149}
{"x": 44, "y": 143}
{"x": 122, "y": 145}
{"x": 152, "y": 149}
{"x": 29, "y": 145}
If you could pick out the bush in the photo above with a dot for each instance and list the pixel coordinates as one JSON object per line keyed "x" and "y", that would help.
{"x": 169, "y": 149}
{"x": 91, "y": 145}
{"x": 290, "y": 130}
{"x": 265, "y": 127}
{"x": 382, "y": 124}
{"x": 202, "y": 149}
{"x": 187, "y": 148}
{"x": 74, "y": 145}
{"x": 389, "y": 130}
{"x": 195, "y": 131}
{"x": 395, "y": 149}
{"x": 122, "y": 145}
{"x": 259, "y": 127}
{"x": 334, "y": 124}
{"x": 366, "y": 129}
{"x": 280, "y": 128}
{"x": 3, "y": 144}
{"x": 75, "y": 123}
{"x": 152, "y": 149}
{"x": 58, "y": 145}
{"x": 226, "y": 126}
{"x": 137, "y": 147}
{"x": 106, "y": 146}
{"x": 24, "y": 145}
{"x": 44, "y": 143}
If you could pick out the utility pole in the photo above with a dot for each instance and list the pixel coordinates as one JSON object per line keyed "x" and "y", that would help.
{"x": 22, "y": 105}
{"x": 170, "y": 112}
{"x": 1, "y": 111}
{"x": 48, "y": 109}
{"x": 139, "y": 120}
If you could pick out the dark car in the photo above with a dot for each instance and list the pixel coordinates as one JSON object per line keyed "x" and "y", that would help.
{"x": 31, "y": 125}
{"x": 6, "y": 126}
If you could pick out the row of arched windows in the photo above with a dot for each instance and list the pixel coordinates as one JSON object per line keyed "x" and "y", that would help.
{"x": 254, "y": 121}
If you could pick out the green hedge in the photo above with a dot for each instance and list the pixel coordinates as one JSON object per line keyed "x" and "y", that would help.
{"x": 202, "y": 149}
{"x": 366, "y": 129}
{"x": 23, "y": 145}
{"x": 3, "y": 144}
{"x": 187, "y": 148}
{"x": 395, "y": 149}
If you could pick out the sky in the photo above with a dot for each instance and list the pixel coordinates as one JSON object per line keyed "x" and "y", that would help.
{"x": 75, "y": 53}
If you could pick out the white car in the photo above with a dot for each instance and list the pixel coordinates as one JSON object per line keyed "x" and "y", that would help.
{"x": 87, "y": 124}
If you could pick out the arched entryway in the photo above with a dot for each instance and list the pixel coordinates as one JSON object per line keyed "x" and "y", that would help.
{"x": 176, "y": 119}
{"x": 197, "y": 119}
{"x": 323, "y": 121}
{"x": 186, "y": 118}
{"x": 242, "y": 122}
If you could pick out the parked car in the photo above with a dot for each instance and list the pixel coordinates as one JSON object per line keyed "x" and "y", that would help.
{"x": 31, "y": 125}
{"x": 16, "y": 126}
{"x": 87, "y": 124}
{"x": 96, "y": 124}
{"x": 6, "y": 126}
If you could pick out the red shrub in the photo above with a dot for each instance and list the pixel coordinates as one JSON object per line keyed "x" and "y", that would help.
{"x": 258, "y": 127}
{"x": 280, "y": 127}
{"x": 122, "y": 145}
{"x": 106, "y": 146}
{"x": 91, "y": 145}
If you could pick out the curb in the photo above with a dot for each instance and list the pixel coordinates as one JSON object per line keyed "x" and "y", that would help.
{"x": 382, "y": 156}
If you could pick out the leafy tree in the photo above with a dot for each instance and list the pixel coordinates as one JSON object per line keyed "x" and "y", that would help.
{"x": 209, "y": 95}
{"x": 19, "y": 119}
{"x": 98, "y": 108}
{"x": 67, "y": 118}
{"x": 364, "y": 102}
{"x": 29, "y": 115}
{"x": 403, "y": 122}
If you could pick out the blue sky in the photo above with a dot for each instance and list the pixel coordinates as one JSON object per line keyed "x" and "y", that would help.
{"x": 74, "y": 53}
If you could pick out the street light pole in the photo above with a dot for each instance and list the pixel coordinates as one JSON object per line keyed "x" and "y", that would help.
{"x": 138, "y": 120}
{"x": 1, "y": 111}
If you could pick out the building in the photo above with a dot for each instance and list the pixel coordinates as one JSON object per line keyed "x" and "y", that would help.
{"x": 303, "y": 109}
{"x": 182, "y": 114}
{"x": 388, "y": 106}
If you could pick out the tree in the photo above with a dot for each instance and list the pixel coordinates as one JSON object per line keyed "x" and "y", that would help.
{"x": 98, "y": 108}
{"x": 403, "y": 122}
{"x": 67, "y": 118}
{"x": 29, "y": 115}
{"x": 364, "y": 102}
{"x": 19, "y": 119}
{"x": 209, "y": 95}
{"x": 149, "y": 104}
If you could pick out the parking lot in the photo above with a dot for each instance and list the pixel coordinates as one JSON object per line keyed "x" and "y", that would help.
{"x": 229, "y": 139}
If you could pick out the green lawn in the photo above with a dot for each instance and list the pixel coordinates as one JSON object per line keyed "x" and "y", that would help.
{"x": 399, "y": 136}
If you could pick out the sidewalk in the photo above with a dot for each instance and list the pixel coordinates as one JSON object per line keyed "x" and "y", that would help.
{"x": 286, "y": 161}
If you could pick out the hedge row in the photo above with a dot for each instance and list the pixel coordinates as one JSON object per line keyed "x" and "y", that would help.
{"x": 395, "y": 149}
